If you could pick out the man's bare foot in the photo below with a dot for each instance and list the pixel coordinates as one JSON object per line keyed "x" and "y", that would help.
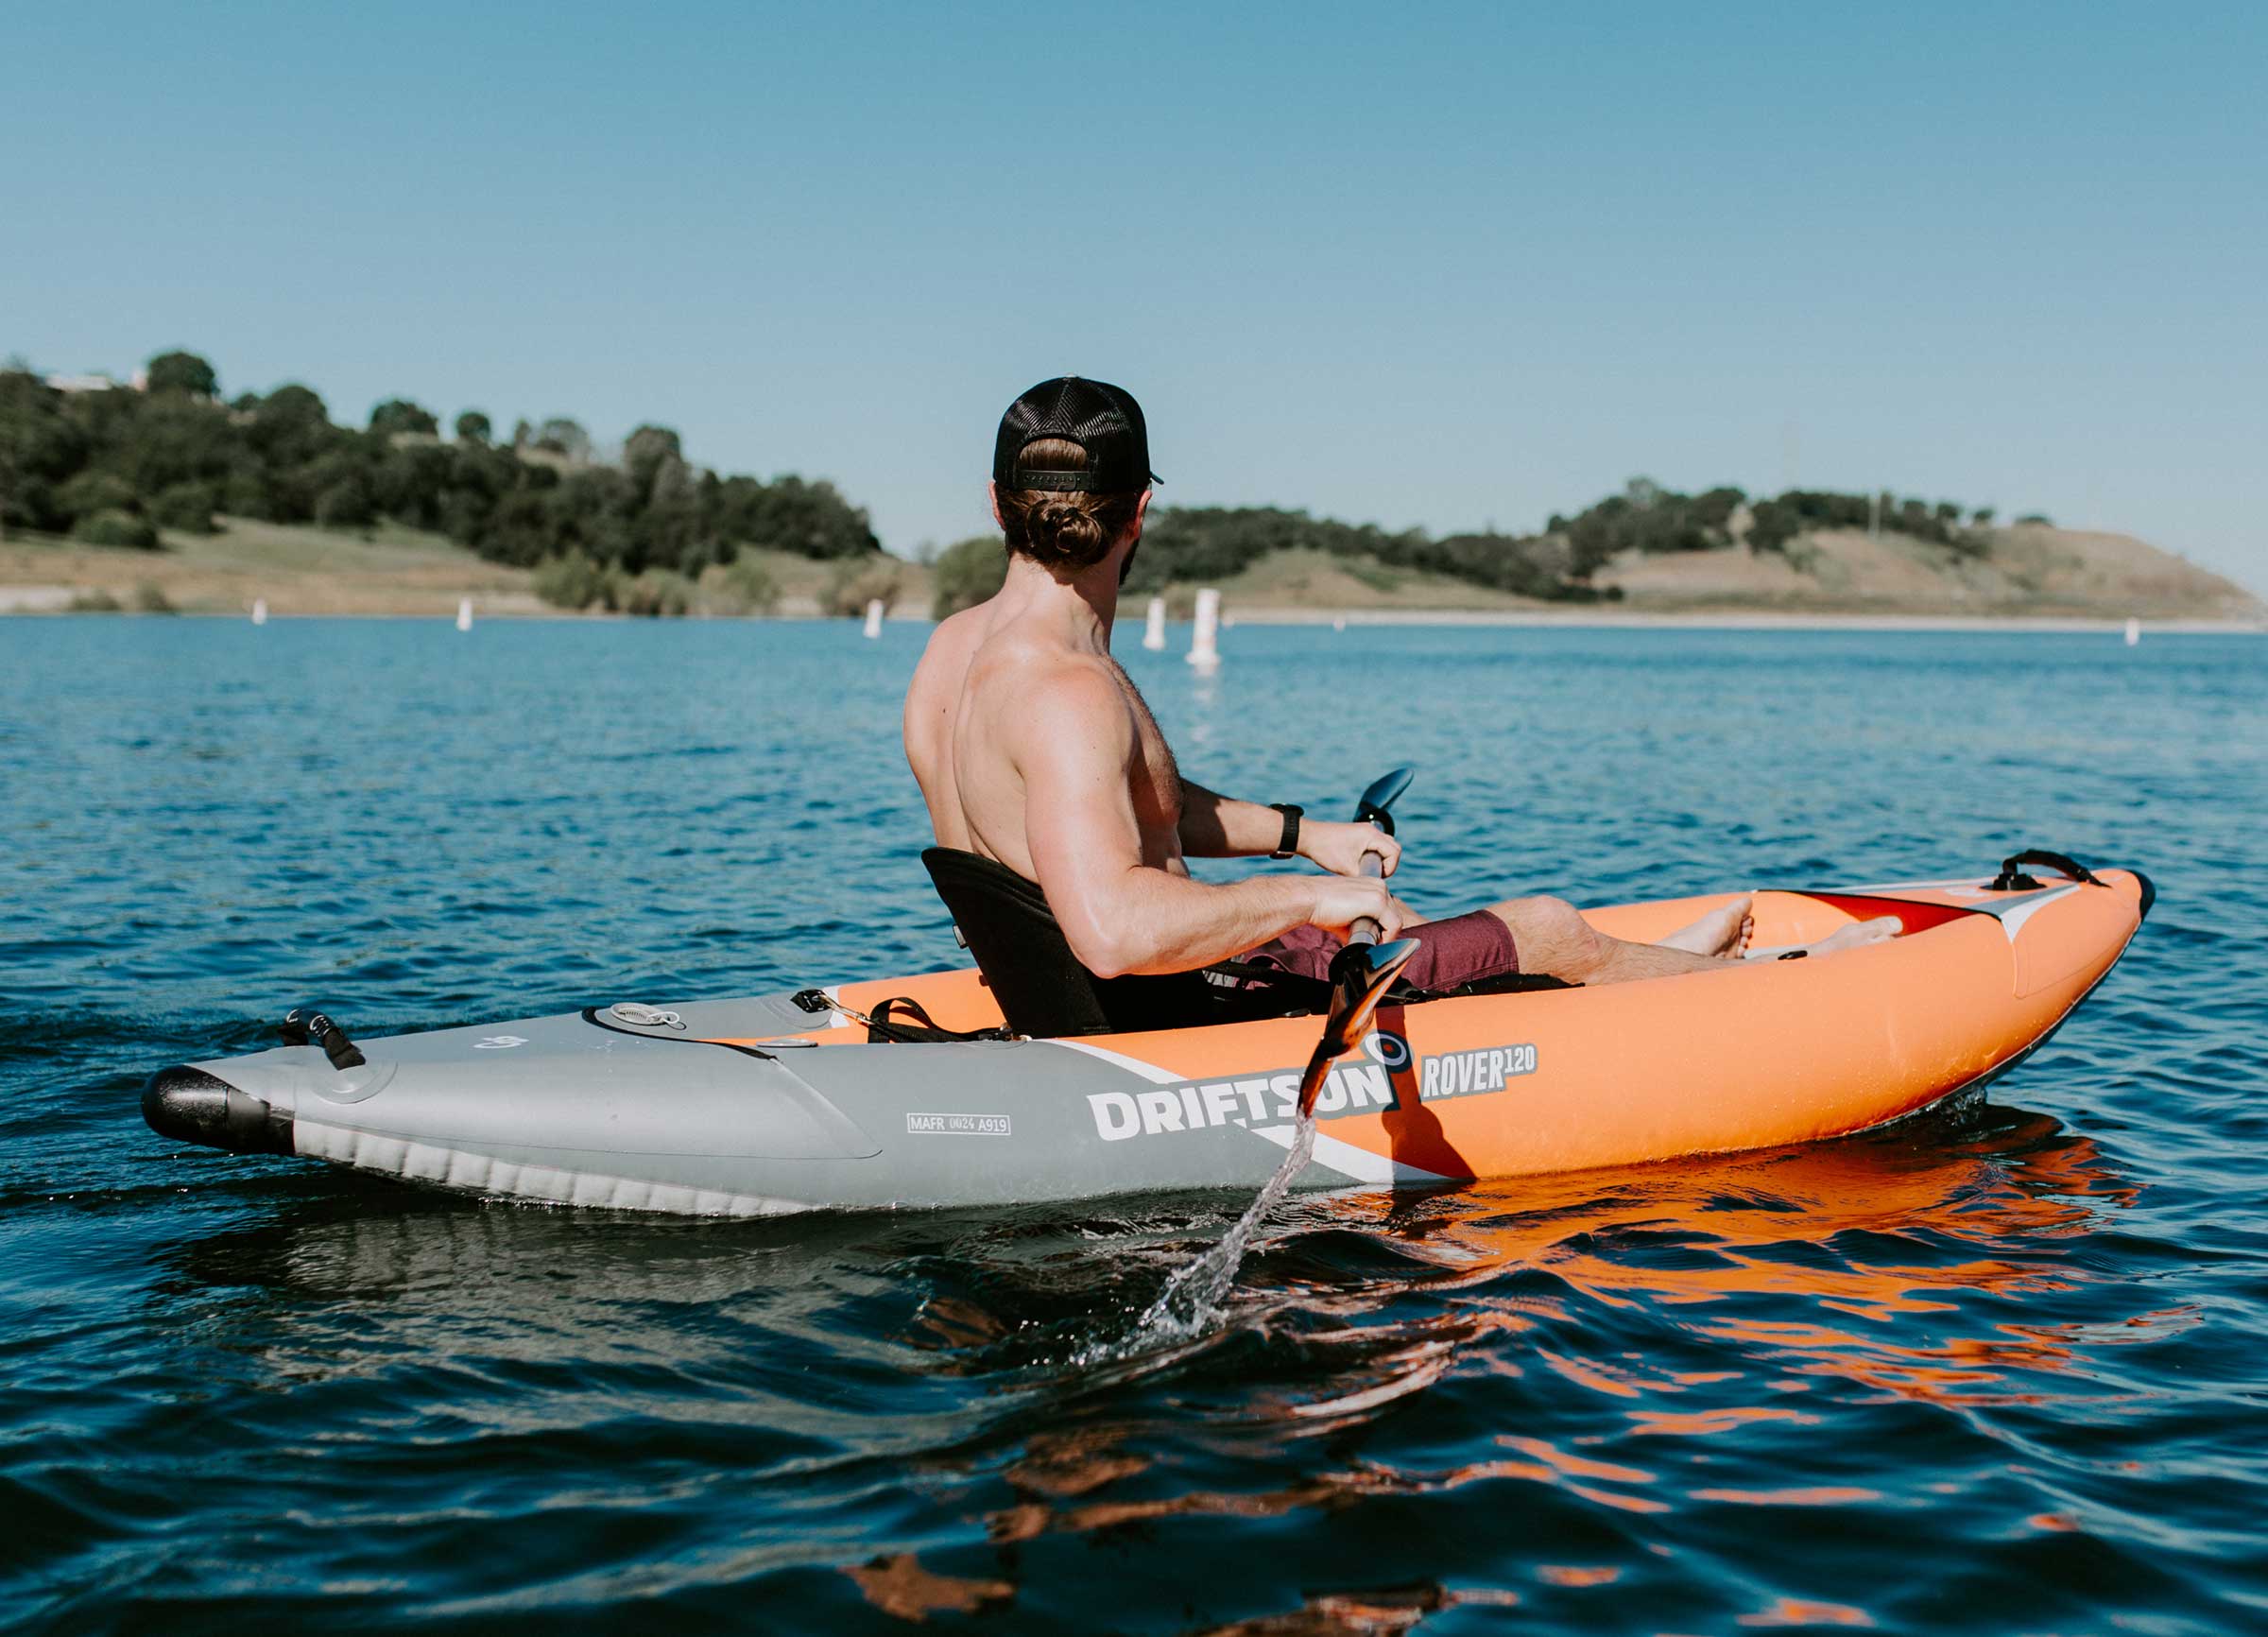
{"x": 1857, "y": 933}
{"x": 1723, "y": 932}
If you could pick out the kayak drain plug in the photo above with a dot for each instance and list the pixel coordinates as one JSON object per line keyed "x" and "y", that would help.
{"x": 314, "y": 1029}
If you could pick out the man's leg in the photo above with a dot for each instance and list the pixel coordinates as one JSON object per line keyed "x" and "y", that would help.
{"x": 1556, "y": 940}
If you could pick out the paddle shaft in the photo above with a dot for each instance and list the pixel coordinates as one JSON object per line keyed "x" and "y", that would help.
{"x": 1351, "y": 1008}
{"x": 1366, "y": 929}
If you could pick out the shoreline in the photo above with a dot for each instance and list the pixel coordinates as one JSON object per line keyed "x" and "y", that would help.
{"x": 1745, "y": 619}
{"x": 1586, "y": 619}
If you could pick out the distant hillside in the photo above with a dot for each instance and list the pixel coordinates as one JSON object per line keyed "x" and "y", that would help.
{"x": 143, "y": 467}
{"x": 160, "y": 494}
{"x": 2029, "y": 569}
{"x": 1804, "y": 551}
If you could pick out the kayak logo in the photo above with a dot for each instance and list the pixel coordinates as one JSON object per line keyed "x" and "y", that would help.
{"x": 499, "y": 1043}
{"x": 1462, "y": 1073}
{"x": 1353, "y": 1087}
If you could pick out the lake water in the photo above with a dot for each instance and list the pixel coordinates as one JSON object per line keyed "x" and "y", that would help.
{"x": 2004, "y": 1368}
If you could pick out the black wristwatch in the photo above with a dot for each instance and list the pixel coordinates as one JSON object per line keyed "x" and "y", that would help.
{"x": 1289, "y": 846}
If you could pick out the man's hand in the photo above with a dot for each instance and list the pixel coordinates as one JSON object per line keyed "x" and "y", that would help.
{"x": 1339, "y": 847}
{"x": 1343, "y": 899}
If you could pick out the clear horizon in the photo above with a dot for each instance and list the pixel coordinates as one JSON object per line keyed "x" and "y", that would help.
{"x": 1449, "y": 268}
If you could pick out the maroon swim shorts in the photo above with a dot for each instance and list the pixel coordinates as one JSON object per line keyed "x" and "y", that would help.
{"x": 1462, "y": 949}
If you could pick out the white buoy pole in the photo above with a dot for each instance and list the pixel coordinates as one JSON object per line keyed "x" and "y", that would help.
{"x": 464, "y": 613}
{"x": 874, "y": 618}
{"x": 2133, "y": 631}
{"x": 1205, "y": 647}
{"x": 259, "y": 611}
{"x": 1153, "y": 633}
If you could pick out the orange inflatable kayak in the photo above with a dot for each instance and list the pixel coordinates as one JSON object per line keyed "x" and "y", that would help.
{"x": 762, "y": 1105}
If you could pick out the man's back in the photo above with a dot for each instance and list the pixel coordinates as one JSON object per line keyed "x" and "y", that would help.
{"x": 990, "y": 676}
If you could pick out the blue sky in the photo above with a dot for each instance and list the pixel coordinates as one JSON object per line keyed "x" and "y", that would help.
{"x": 1441, "y": 265}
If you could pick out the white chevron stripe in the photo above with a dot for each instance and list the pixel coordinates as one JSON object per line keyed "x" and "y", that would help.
{"x": 1359, "y": 1163}
{"x": 1149, "y": 1071}
{"x": 2017, "y": 914}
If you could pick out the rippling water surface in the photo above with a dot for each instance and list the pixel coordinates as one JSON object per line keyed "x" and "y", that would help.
{"x": 1999, "y": 1370}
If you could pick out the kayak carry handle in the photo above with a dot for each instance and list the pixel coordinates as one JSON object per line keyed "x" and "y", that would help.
{"x": 2013, "y": 879}
{"x": 314, "y": 1028}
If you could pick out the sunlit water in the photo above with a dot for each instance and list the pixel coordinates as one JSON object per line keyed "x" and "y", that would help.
{"x": 2001, "y": 1369}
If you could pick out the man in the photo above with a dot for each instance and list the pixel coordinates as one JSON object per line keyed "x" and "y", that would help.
{"x": 1032, "y": 749}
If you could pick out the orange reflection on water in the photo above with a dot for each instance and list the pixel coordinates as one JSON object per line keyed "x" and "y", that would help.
{"x": 1798, "y": 1612}
{"x": 1066, "y": 1468}
{"x": 1599, "y": 1378}
{"x": 1708, "y": 1231}
{"x": 1326, "y": 1490}
{"x": 898, "y": 1585}
{"x": 1575, "y": 1466}
{"x": 1957, "y": 1371}
{"x": 1707, "y": 1422}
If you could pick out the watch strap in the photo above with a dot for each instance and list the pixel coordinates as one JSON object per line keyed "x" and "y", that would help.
{"x": 1288, "y": 847}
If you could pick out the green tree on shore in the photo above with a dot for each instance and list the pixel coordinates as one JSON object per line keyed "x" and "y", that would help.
{"x": 967, "y": 572}
{"x": 120, "y": 464}
{"x": 182, "y": 373}
{"x": 398, "y": 415}
{"x": 40, "y": 450}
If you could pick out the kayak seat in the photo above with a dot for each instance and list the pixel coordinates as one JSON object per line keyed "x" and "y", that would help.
{"x": 1043, "y": 991}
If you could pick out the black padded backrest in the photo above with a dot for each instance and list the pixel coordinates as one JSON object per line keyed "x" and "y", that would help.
{"x": 1041, "y": 988}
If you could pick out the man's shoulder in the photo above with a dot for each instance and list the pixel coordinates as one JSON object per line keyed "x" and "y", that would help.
{"x": 1038, "y": 675}
{"x": 965, "y": 627}
{"x": 1041, "y": 687}
{"x": 957, "y": 636}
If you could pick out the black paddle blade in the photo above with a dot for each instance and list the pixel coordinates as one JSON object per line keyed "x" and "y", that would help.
{"x": 1360, "y": 976}
{"x": 1373, "y": 802}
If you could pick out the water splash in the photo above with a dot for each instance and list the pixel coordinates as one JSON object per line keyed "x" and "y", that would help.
{"x": 1193, "y": 1299}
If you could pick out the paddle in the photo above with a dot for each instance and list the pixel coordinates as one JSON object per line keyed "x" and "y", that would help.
{"x": 1363, "y": 972}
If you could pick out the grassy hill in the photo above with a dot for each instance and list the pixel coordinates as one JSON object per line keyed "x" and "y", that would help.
{"x": 384, "y": 570}
{"x": 1303, "y": 578}
{"x": 2030, "y": 569}
{"x": 388, "y": 570}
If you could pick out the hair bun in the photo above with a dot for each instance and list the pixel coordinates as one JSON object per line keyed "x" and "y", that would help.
{"x": 1066, "y": 531}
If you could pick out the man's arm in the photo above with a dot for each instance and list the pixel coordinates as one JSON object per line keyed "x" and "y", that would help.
{"x": 1076, "y": 747}
{"x": 1217, "y": 826}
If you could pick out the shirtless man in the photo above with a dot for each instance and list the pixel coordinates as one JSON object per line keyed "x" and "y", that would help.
{"x": 1032, "y": 749}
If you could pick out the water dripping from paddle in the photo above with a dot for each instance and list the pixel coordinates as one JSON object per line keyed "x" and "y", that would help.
{"x": 1196, "y": 1296}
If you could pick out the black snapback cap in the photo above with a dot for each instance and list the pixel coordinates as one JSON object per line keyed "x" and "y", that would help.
{"x": 1101, "y": 418}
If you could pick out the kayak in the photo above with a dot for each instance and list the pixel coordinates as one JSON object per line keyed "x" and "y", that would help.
{"x": 791, "y": 1102}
